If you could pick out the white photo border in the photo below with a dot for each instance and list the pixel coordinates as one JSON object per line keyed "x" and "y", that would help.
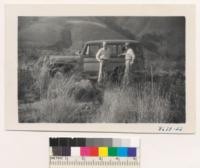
{"x": 11, "y": 64}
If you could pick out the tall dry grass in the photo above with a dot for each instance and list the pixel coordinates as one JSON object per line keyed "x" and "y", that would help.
{"x": 141, "y": 103}
{"x": 63, "y": 103}
{"x": 72, "y": 99}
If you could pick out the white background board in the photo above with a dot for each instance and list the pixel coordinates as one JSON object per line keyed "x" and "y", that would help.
{"x": 22, "y": 149}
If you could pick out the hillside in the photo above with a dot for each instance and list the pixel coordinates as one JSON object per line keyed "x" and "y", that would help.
{"x": 163, "y": 37}
{"x": 45, "y": 31}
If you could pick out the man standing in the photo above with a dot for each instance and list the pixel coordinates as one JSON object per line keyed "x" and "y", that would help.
{"x": 103, "y": 56}
{"x": 129, "y": 60}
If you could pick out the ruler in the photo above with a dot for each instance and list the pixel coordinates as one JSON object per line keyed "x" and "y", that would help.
{"x": 96, "y": 162}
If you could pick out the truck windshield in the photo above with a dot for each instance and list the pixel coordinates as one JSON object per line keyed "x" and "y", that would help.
{"x": 91, "y": 50}
{"x": 116, "y": 50}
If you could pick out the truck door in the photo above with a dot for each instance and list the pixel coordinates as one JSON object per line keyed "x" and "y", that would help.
{"x": 90, "y": 64}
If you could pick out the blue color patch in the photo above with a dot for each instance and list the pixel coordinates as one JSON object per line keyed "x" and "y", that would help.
{"x": 122, "y": 152}
{"x": 132, "y": 152}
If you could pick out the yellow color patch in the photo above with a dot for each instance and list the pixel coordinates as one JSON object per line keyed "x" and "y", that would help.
{"x": 103, "y": 151}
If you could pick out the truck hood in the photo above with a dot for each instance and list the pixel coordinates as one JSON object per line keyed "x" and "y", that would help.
{"x": 63, "y": 59}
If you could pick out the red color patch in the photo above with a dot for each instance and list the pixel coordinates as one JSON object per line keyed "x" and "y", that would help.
{"x": 93, "y": 151}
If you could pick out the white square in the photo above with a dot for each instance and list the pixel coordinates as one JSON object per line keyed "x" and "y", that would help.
{"x": 75, "y": 151}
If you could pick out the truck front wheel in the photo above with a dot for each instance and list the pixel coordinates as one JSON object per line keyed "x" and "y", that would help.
{"x": 64, "y": 69}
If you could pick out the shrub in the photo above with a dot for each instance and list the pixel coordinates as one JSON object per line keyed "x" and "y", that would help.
{"x": 69, "y": 100}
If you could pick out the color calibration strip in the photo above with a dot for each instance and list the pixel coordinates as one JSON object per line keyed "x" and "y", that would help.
{"x": 93, "y": 152}
{"x": 97, "y": 147}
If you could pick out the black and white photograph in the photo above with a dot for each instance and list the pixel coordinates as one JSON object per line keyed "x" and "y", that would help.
{"x": 101, "y": 69}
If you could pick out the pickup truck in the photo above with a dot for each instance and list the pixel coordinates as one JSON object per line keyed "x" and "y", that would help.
{"x": 84, "y": 61}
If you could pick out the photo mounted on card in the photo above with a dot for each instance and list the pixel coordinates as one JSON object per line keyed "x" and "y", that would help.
{"x": 100, "y": 68}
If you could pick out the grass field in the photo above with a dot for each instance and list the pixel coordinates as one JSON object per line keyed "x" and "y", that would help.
{"x": 73, "y": 99}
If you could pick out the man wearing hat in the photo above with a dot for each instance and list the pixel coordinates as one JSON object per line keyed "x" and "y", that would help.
{"x": 129, "y": 60}
{"x": 103, "y": 56}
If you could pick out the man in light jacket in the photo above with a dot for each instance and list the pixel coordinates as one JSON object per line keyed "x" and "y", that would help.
{"x": 129, "y": 60}
{"x": 103, "y": 56}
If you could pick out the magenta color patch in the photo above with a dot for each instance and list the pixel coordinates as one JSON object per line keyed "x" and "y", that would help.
{"x": 85, "y": 151}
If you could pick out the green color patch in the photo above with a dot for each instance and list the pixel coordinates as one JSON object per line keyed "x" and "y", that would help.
{"x": 112, "y": 151}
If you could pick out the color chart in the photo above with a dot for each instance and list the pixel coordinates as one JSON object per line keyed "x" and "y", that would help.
{"x": 93, "y": 152}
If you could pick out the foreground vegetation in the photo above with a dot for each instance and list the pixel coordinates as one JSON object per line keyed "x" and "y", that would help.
{"x": 70, "y": 98}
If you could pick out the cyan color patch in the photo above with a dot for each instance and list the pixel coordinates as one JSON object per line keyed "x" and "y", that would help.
{"x": 122, "y": 151}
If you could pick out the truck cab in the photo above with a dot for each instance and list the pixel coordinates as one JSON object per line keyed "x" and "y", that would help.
{"x": 85, "y": 60}
{"x": 117, "y": 59}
